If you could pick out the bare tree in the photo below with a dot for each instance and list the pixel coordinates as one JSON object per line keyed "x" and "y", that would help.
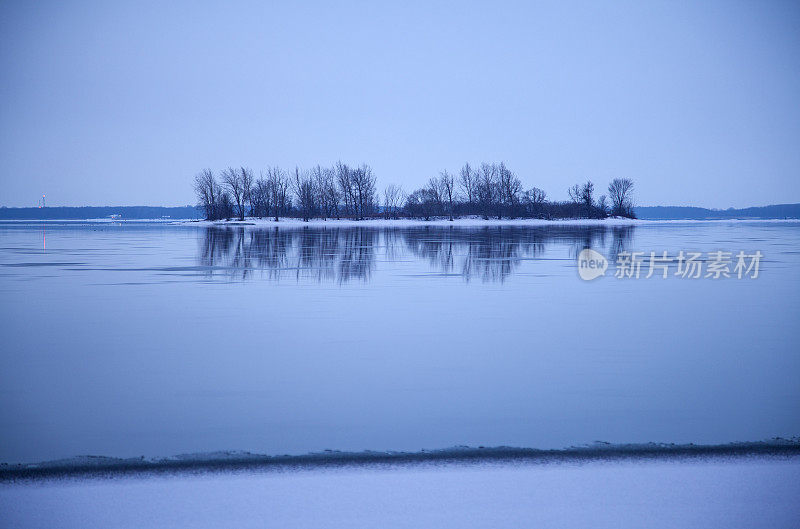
{"x": 246, "y": 178}
{"x": 510, "y": 188}
{"x": 487, "y": 193}
{"x": 363, "y": 188}
{"x": 303, "y": 187}
{"x": 620, "y": 192}
{"x": 575, "y": 193}
{"x": 232, "y": 180}
{"x": 345, "y": 182}
{"x": 225, "y": 205}
{"x": 392, "y": 197}
{"x": 587, "y": 197}
{"x": 207, "y": 191}
{"x": 534, "y": 200}
{"x": 435, "y": 194}
{"x": 468, "y": 180}
{"x": 261, "y": 199}
{"x": 421, "y": 203}
{"x": 331, "y": 193}
{"x": 582, "y": 198}
{"x": 448, "y": 187}
{"x": 324, "y": 190}
{"x": 278, "y": 184}
{"x": 602, "y": 206}
{"x": 537, "y": 196}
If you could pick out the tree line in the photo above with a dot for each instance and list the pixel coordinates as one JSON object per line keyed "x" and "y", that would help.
{"x": 490, "y": 190}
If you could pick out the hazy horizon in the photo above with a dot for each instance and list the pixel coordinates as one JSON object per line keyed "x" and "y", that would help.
{"x": 112, "y": 104}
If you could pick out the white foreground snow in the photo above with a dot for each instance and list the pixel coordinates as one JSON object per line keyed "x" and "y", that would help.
{"x": 729, "y": 493}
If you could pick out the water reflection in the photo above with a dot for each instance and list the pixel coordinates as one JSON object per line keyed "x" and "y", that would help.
{"x": 350, "y": 254}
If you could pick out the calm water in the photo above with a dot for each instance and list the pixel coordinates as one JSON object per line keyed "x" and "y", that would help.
{"x": 128, "y": 340}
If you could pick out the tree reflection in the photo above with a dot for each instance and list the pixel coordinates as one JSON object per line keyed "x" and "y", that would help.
{"x": 489, "y": 254}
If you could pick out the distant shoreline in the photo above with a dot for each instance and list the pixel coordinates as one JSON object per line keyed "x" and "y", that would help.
{"x": 99, "y": 466}
{"x": 179, "y": 213}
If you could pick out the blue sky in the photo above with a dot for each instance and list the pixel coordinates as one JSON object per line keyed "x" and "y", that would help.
{"x": 122, "y": 103}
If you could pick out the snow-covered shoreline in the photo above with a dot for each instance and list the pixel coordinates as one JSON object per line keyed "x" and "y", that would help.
{"x": 408, "y": 223}
{"x": 460, "y": 223}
